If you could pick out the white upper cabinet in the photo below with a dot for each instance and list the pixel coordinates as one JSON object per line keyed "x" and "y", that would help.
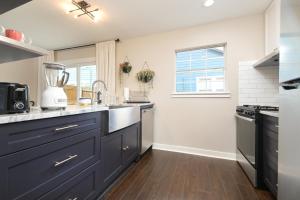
{"x": 272, "y": 27}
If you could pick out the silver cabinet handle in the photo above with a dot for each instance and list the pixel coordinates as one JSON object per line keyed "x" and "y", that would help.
{"x": 73, "y": 198}
{"x": 277, "y": 126}
{"x": 66, "y": 127}
{"x": 125, "y": 148}
{"x": 64, "y": 161}
{"x": 276, "y": 151}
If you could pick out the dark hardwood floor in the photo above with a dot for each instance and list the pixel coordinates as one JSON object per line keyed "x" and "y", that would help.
{"x": 166, "y": 175}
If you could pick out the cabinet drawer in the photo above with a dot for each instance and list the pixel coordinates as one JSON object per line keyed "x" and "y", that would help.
{"x": 84, "y": 186}
{"x": 23, "y": 135}
{"x": 30, "y": 173}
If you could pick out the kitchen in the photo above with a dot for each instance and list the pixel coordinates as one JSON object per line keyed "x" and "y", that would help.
{"x": 115, "y": 106}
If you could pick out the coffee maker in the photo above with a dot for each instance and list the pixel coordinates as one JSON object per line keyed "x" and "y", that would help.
{"x": 14, "y": 98}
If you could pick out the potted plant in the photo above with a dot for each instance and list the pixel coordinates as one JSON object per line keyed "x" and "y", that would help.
{"x": 126, "y": 67}
{"x": 145, "y": 75}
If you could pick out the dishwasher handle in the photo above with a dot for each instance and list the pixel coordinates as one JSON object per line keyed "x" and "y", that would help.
{"x": 147, "y": 110}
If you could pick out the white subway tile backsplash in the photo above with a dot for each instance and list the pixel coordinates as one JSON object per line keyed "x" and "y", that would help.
{"x": 258, "y": 85}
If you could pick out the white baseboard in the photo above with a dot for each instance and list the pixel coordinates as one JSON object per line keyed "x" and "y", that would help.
{"x": 195, "y": 151}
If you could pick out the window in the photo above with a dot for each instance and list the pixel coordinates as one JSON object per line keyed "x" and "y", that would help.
{"x": 80, "y": 82}
{"x": 200, "y": 70}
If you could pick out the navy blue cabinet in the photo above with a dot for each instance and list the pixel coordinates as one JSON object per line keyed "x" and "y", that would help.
{"x": 23, "y": 135}
{"x": 112, "y": 157}
{"x": 50, "y": 157}
{"x": 119, "y": 150}
{"x": 69, "y": 157}
{"x": 31, "y": 172}
{"x": 270, "y": 153}
{"x": 130, "y": 145}
{"x": 84, "y": 186}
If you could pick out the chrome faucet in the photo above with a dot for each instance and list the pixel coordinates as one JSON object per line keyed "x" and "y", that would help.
{"x": 93, "y": 91}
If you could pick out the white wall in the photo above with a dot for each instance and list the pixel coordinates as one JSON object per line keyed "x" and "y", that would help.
{"x": 24, "y": 71}
{"x": 205, "y": 123}
{"x": 258, "y": 86}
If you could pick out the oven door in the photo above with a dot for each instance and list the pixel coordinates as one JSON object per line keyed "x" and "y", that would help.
{"x": 246, "y": 131}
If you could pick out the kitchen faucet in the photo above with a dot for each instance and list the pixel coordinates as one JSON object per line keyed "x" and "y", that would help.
{"x": 99, "y": 93}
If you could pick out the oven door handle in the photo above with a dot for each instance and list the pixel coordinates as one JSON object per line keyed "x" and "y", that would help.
{"x": 244, "y": 118}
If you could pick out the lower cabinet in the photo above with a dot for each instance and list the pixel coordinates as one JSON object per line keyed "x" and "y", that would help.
{"x": 270, "y": 153}
{"x": 112, "y": 157}
{"x": 84, "y": 186}
{"x": 130, "y": 144}
{"x": 31, "y": 173}
{"x": 74, "y": 164}
{"x": 119, "y": 150}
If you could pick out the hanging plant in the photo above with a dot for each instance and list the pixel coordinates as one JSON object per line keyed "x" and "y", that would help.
{"x": 145, "y": 75}
{"x": 126, "y": 67}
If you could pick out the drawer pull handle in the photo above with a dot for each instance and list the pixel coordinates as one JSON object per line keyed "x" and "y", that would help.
{"x": 66, "y": 127}
{"x": 276, "y": 151}
{"x": 57, "y": 164}
{"x": 277, "y": 126}
{"x": 73, "y": 198}
{"x": 126, "y": 148}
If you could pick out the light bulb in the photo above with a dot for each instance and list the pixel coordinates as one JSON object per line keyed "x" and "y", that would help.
{"x": 97, "y": 15}
{"x": 208, "y": 3}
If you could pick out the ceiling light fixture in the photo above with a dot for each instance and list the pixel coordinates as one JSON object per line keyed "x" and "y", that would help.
{"x": 208, "y": 3}
{"x": 83, "y": 7}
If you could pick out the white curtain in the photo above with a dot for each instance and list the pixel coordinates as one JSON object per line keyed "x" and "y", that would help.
{"x": 106, "y": 64}
{"x": 41, "y": 74}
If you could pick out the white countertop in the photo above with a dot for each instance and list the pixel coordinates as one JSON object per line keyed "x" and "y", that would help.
{"x": 270, "y": 113}
{"x": 35, "y": 114}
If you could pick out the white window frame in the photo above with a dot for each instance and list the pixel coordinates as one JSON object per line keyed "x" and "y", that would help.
{"x": 204, "y": 94}
{"x": 77, "y": 63}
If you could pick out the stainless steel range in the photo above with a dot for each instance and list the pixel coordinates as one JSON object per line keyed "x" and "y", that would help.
{"x": 249, "y": 141}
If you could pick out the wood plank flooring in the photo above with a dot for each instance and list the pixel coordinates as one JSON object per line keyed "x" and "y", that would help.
{"x": 162, "y": 175}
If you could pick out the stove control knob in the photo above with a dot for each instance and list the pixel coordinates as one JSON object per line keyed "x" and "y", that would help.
{"x": 19, "y": 105}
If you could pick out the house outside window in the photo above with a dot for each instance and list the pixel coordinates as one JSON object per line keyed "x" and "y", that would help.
{"x": 201, "y": 70}
{"x": 82, "y": 76}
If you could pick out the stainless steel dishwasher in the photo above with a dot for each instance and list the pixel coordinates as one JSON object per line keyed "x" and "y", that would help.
{"x": 147, "y": 117}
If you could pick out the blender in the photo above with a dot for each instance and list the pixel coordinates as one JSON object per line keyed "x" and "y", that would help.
{"x": 54, "y": 96}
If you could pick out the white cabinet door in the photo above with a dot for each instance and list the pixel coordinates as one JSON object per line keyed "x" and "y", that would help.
{"x": 272, "y": 27}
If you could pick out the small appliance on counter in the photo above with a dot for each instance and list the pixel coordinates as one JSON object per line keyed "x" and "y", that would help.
{"x": 14, "y": 98}
{"x": 54, "y": 97}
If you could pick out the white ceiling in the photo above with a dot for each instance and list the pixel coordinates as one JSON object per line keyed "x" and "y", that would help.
{"x": 46, "y": 22}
